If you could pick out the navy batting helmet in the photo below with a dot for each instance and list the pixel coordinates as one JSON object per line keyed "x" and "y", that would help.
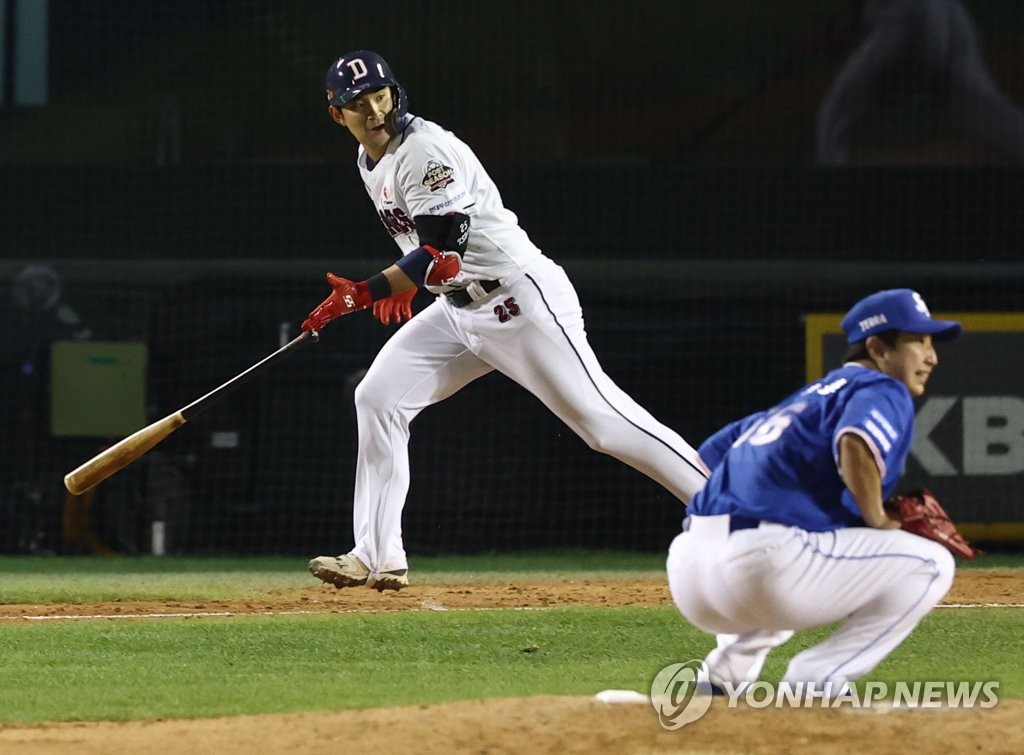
{"x": 362, "y": 71}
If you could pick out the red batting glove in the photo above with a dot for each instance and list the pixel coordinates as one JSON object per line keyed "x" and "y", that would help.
{"x": 347, "y": 296}
{"x": 396, "y": 308}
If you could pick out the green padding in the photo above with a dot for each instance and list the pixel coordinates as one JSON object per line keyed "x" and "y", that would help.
{"x": 97, "y": 388}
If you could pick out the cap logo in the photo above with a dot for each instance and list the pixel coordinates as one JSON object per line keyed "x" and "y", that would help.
{"x": 920, "y": 306}
{"x": 871, "y": 322}
{"x": 358, "y": 68}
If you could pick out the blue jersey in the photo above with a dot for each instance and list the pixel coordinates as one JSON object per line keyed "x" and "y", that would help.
{"x": 783, "y": 465}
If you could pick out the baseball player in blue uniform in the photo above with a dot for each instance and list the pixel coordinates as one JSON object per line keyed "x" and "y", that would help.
{"x": 502, "y": 305}
{"x": 790, "y": 531}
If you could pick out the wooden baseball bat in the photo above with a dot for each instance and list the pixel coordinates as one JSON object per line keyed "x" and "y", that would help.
{"x": 125, "y": 451}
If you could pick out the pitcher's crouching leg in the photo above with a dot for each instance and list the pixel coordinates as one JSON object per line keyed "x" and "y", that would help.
{"x": 916, "y": 585}
{"x": 684, "y": 572}
{"x": 941, "y": 567}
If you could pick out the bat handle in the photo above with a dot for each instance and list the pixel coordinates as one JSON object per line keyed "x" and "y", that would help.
{"x": 217, "y": 393}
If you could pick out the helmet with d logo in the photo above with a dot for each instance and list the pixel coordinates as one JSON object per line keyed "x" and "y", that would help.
{"x": 362, "y": 71}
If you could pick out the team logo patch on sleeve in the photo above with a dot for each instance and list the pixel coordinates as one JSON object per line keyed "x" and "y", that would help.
{"x": 437, "y": 175}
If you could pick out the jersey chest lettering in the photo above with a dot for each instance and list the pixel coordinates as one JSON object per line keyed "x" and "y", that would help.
{"x": 396, "y": 221}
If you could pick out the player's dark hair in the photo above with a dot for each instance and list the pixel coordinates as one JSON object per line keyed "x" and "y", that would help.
{"x": 859, "y": 351}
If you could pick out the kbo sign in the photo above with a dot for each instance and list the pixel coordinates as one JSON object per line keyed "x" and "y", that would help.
{"x": 992, "y": 436}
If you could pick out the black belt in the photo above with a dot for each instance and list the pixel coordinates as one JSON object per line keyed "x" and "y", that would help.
{"x": 462, "y": 297}
{"x": 742, "y": 523}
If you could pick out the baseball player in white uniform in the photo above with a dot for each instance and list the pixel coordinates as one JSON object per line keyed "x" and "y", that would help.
{"x": 502, "y": 305}
{"x": 791, "y": 532}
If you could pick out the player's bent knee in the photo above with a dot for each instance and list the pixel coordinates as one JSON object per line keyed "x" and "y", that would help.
{"x": 938, "y": 568}
{"x": 363, "y": 394}
{"x": 372, "y": 397}
{"x": 600, "y": 439}
{"x": 945, "y": 567}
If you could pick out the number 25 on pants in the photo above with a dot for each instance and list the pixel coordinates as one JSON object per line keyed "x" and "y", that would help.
{"x": 507, "y": 309}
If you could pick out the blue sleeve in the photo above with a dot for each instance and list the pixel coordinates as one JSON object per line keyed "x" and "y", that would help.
{"x": 883, "y": 417}
{"x": 713, "y": 450}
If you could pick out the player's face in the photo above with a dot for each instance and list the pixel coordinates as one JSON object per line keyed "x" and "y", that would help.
{"x": 367, "y": 118}
{"x": 910, "y": 361}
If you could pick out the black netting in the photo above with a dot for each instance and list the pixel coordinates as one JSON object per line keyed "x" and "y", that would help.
{"x": 695, "y": 166}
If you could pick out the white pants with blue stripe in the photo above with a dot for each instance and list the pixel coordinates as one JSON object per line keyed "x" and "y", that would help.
{"x": 754, "y": 588}
{"x": 531, "y": 329}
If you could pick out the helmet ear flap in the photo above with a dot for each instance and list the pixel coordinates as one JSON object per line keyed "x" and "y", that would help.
{"x": 399, "y": 116}
{"x": 401, "y": 99}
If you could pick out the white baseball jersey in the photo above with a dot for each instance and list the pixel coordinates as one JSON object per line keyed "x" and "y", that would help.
{"x": 430, "y": 171}
{"x": 528, "y": 326}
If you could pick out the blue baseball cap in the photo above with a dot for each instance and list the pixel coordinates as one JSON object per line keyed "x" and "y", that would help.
{"x": 895, "y": 309}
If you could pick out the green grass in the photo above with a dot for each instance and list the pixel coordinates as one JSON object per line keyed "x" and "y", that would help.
{"x": 520, "y": 561}
{"x": 183, "y": 668}
{"x": 86, "y": 579}
{"x": 148, "y": 669}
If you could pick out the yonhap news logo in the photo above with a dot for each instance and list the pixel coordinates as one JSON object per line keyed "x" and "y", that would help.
{"x": 681, "y": 693}
{"x": 931, "y": 694}
{"x": 677, "y": 696}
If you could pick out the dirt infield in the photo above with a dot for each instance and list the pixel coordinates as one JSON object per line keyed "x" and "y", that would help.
{"x": 538, "y": 724}
{"x": 971, "y": 587}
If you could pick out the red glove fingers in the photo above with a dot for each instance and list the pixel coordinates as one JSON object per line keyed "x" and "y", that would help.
{"x": 397, "y": 308}
{"x": 347, "y": 296}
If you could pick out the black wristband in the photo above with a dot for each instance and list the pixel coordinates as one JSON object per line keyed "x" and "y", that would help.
{"x": 379, "y": 286}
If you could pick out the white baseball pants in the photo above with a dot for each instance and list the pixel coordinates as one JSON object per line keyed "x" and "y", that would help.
{"x": 753, "y": 588}
{"x": 531, "y": 330}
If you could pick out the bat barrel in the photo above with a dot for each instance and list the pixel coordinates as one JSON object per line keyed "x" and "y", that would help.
{"x": 124, "y": 452}
{"x": 121, "y": 454}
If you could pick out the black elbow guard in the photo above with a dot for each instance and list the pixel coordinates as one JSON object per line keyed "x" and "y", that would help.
{"x": 449, "y": 233}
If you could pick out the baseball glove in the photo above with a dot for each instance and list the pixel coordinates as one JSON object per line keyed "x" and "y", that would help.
{"x": 921, "y": 514}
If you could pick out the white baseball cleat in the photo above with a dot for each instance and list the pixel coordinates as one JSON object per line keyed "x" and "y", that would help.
{"x": 348, "y": 570}
{"x": 341, "y": 571}
{"x": 389, "y": 580}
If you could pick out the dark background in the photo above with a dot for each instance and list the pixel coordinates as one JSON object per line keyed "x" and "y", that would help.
{"x": 186, "y": 184}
